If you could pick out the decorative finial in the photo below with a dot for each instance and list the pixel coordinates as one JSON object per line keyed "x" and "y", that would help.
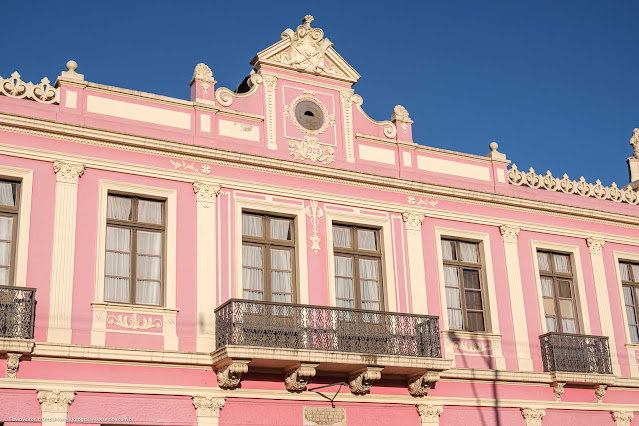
{"x": 634, "y": 141}
{"x": 72, "y": 65}
{"x": 203, "y": 73}
{"x": 494, "y": 153}
{"x": 307, "y": 20}
{"x": 400, "y": 114}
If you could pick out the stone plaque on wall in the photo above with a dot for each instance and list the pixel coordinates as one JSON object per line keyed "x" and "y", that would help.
{"x": 324, "y": 416}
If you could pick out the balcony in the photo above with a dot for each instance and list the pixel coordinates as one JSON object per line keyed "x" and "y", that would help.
{"x": 575, "y": 353}
{"x": 327, "y": 339}
{"x": 17, "y": 311}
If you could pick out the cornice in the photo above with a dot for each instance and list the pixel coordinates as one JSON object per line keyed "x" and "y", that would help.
{"x": 92, "y": 136}
{"x": 137, "y": 388}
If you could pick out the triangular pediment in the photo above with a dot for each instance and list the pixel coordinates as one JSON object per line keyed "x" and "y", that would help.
{"x": 306, "y": 50}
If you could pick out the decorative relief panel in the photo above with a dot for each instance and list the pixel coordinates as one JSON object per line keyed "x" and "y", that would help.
{"x": 413, "y": 201}
{"x": 307, "y": 50}
{"x": 324, "y": 416}
{"x": 309, "y": 149}
{"x": 134, "y": 321}
{"x": 191, "y": 167}
{"x": 473, "y": 346}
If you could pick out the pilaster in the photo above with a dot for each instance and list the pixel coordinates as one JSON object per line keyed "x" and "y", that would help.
{"x": 66, "y": 206}
{"x": 413, "y": 225}
{"x": 509, "y": 235}
{"x": 429, "y": 414}
{"x": 595, "y": 246}
{"x": 206, "y": 197}
{"x": 54, "y": 405}
{"x": 347, "y": 97}
{"x": 208, "y": 409}
{"x": 270, "y": 83}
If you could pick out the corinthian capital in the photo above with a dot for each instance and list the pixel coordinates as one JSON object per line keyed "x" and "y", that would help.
{"x": 206, "y": 192}
{"x": 429, "y": 414}
{"x": 595, "y": 245}
{"x": 55, "y": 401}
{"x": 68, "y": 172}
{"x": 532, "y": 416}
{"x": 622, "y": 418}
{"x": 413, "y": 221}
{"x": 270, "y": 82}
{"x": 509, "y": 233}
{"x": 207, "y": 406}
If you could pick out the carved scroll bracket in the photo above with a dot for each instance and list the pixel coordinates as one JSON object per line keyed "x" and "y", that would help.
{"x": 600, "y": 391}
{"x": 558, "y": 390}
{"x": 297, "y": 378}
{"x": 229, "y": 375}
{"x": 361, "y": 381}
{"x": 420, "y": 384}
{"x": 13, "y": 363}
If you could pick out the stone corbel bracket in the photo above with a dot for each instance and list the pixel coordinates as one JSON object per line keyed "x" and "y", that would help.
{"x": 420, "y": 384}
{"x": 13, "y": 363}
{"x": 229, "y": 374}
{"x": 296, "y": 378}
{"x": 558, "y": 390}
{"x": 600, "y": 391}
{"x": 361, "y": 381}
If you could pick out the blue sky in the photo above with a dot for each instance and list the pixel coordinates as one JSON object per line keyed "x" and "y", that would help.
{"x": 555, "y": 83}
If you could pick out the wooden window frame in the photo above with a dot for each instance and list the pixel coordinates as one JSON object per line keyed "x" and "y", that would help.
{"x": 14, "y": 213}
{"x": 136, "y": 226}
{"x": 461, "y": 265}
{"x": 267, "y": 244}
{"x": 634, "y": 286}
{"x": 357, "y": 254}
{"x": 555, "y": 276}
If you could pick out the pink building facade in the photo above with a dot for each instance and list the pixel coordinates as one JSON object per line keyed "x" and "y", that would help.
{"x": 238, "y": 258}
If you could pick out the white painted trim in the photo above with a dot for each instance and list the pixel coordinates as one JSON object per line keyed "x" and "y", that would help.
{"x": 489, "y": 290}
{"x": 169, "y": 310}
{"x": 388, "y": 265}
{"x": 578, "y": 278}
{"x": 631, "y": 347}
{"x": 274, "y": 207}
{"x": 24, "y": 221}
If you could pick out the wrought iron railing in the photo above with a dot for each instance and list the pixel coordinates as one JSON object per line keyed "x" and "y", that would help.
{"x": 265, "y": 324}
{"x": 575, "y": 353}
{"x": 17, "y": 311}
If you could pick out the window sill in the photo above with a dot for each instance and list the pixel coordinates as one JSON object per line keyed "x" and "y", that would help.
{"x": 126, "y": 307}
{"x": 472, "y": 335}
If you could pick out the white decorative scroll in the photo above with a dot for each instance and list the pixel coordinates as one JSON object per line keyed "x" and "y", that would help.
{"x": 568, "y": 186}
{"x": 225, "y": 96}
{"x": 44, "y": 92}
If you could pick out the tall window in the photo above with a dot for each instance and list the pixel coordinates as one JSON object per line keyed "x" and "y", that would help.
{"x": 134, "y": 266}
{"x": 557, "y": 288}
{"x": 268, "y": 258}
{"x": 630, "y": 283}
{"x": 358, "y": 267}
{"x": 9, "y": 199}
{"x": 462, "y": 277}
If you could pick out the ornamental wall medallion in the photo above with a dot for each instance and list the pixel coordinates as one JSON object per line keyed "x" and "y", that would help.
{"x": 309, "y": 114}
{"x": 309, "y": 149}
